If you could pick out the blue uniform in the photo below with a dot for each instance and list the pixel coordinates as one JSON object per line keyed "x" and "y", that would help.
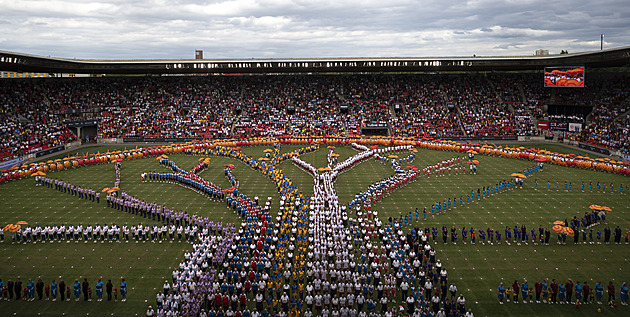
{"x": 123, "y": 288}
{"x": 77, "y": 288}
{"x": 99, "y": 288}
{"x": 599, "y": 291}
{"x": 53, "y": 289}
{"x": 501, "y": 292}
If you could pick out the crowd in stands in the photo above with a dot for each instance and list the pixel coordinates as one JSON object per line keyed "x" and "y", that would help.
{"x": 24, "y": 127}
{"x": 34, "y": 113}
{"x": 609, "y": 121}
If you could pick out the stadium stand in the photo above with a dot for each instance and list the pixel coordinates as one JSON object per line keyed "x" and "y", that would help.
{"x": 34, "y": 111}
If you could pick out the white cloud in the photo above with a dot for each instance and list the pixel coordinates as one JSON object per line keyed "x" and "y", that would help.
{"x": 116, "y": 29}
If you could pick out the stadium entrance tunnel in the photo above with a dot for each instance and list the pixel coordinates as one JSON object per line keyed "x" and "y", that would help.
{"x": 375, "y": 131}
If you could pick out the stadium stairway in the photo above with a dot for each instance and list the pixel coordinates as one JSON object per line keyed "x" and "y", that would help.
{"x": 622, "y": 115}
{"x": 445, "y": 99}
{"x": 526, "y": 102}
{"x": 392, "y": 112}
{"x": 41, "y": 90}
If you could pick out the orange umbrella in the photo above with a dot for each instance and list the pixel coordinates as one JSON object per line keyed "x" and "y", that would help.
{"x": 334, "y": 155}
{"x": 15, "y": 228}
{"x": 569, "y": 231}
{"x": 413, "y": 150}
{"x": 393, "y": 156}
{"x": 322, "y": 169}
{"x": 558, "y": 228}
{"x": 268, "y": 150}
{"x": 115, "y": 188}
{"x": 331, "y": 147}
{"x": 7, "y": 227}
{"x": 558, "y": 222}
{"x": 111, "y": 191}
{"x": 21, "y": 222}
{"x": 518, "y": 175}
{"x": 105, "y": 189}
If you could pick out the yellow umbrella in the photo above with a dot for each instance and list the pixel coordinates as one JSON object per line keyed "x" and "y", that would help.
{"x": 558, "y": 228}
{"x": 49, "y": 161}
{"x": 105, "y": 189}
{"x": 15, "y": 228}
{"x": 7, "y": 227}
{"x": 115, "y": 188}
{"x": 58, "y": 160}
{"x": 334, "y": 155}
{"x": 518, "y": 175}
{"x": 111, "y": 191}
{"x": 322, "y": 169}
{"x": 558, "y": 222}
{"x": 413, "y": 150}
{"x": 268, "y": 150}
{"x": 21, "y": 222}
{"x": 165, "y": 156}
{"x": 393, "y": 156}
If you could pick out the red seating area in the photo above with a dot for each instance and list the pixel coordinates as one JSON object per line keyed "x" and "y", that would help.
{"x": 34, "y": 111}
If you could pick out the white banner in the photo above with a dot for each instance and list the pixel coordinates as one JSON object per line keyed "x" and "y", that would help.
{"x": 575, "y": 127}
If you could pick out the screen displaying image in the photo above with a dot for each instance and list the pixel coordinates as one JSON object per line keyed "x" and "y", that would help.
{"x": 564, "y": 76}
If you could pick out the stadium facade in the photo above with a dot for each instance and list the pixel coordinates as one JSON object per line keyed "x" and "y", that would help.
{"x": 26, "y": 63}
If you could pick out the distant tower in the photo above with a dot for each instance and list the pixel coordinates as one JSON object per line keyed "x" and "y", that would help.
{"x": 198, "y": 54}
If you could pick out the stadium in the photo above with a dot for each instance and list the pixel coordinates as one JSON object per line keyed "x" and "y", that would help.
{"x": 419, "y": 186}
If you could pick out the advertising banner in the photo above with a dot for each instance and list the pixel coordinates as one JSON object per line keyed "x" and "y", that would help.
{"x": 8, "y": 164}
{"x": 564, "y": 126}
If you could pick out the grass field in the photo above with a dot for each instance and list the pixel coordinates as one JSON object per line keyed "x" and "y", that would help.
{"x": 476, "y": 269}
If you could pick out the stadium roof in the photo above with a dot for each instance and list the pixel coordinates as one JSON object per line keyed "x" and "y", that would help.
{"x": 19, "y": 62}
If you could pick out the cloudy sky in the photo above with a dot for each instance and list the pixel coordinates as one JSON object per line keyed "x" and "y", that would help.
{"x": 139, "y": 29}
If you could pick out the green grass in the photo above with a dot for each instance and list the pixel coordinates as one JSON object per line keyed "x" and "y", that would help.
{"x": 477, "y": 269}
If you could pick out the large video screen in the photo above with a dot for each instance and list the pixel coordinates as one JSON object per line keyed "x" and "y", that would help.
{"x": 564, "y": 76}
